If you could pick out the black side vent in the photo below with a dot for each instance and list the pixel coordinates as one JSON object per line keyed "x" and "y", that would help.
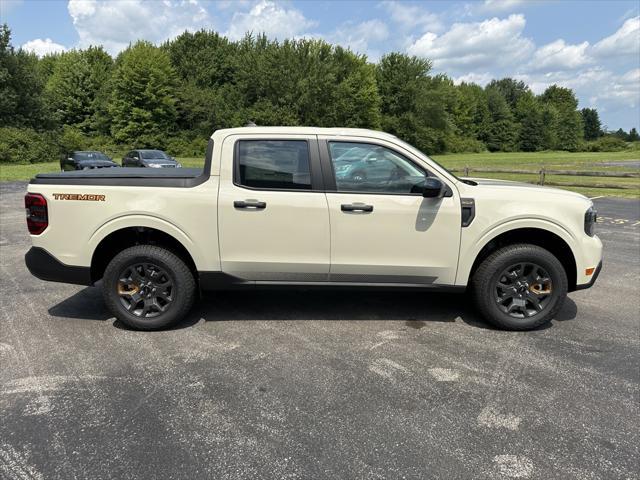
{"x": 468, "y": 211}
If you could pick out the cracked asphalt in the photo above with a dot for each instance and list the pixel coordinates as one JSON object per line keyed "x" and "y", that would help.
{"x": 298, "y": 384}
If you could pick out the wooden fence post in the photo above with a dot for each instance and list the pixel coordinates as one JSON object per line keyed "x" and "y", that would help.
{"x": 466, "y": 171}
{"x": 542, "y": 176}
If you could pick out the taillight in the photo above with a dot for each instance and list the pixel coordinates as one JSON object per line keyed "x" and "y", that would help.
{"x": 37, "y": 216}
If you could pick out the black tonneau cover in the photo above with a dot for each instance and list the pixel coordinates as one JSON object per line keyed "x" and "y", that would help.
{"x": 143, "y": 177}
{"x": 138, "y": 177}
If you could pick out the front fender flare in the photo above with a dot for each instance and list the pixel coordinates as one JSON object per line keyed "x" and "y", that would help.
{"x": 468, "y": 257}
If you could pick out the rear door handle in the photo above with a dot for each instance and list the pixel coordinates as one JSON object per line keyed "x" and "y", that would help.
{"x": 254, "y": 204}
{"x": 356, "y": 207}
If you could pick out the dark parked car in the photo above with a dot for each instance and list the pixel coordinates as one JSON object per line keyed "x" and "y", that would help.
{"x": 149, "y": 158}
{"x": 85, "y": 160}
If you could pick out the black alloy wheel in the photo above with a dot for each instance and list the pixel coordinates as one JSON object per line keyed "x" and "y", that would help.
{"x": 148, "y": 287}
{"x": 523, "y": 290}
{"x": 145, "y": 290}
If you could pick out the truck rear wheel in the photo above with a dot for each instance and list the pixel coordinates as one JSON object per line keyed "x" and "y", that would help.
{"x": 519, "y": 287}
{"x": 148, "y": 287}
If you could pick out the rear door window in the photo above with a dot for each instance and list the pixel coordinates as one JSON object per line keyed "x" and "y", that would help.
{"x": 273, "y": 164}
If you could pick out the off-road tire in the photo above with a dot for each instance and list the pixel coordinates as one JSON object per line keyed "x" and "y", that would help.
{"x": 486, "y": 277}
{"x": 183, "y": 286}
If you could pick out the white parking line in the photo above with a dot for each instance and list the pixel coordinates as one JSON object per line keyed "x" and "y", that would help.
{"x": 594, "y": 198}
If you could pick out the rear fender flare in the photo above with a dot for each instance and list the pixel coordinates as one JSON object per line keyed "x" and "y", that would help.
{"x": 146, "y": 221}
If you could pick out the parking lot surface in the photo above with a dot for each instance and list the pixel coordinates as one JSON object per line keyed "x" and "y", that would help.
{"x": 309, "y": 384}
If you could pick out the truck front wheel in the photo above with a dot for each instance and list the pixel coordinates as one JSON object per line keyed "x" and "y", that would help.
{"x": 519, "y": 287}
{"x": 148, "y": 287}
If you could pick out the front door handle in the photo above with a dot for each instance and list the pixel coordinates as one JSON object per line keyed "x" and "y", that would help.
{"x": 254, "y": 204}
{"x": 356, "y": 207}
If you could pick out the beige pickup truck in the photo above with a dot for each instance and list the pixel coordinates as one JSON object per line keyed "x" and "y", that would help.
{"x": 310, "y": 207}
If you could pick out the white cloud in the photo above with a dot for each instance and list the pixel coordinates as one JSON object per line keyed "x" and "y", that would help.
{"x": 500, "y": 5}
{"x": 622, "y": 92}
{"x": 358, "y": 37}
{"x": 7, "y": 6}
{"x": 228, "y": 4}
{"x": 411, "y": 16}
{"x": 477, "y": 78}
{"x": 478, "y": 45}
{"x": 559, "y": 55}
{"x": 43, "y": 47}
{"x": 269, "y": 18}
{"x": 116, "y": 24}
{"x": 624, "y": 42}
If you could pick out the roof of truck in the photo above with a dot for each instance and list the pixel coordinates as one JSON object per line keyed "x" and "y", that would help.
{"x": 334, "y": 131}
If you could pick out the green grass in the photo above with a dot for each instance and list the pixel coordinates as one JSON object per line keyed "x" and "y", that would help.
{"x": 12, "y": 172}
{"x": 556, "y": 160}
{"x": 520, "y": 160}
{"x": 533, "y": 161}
{"x": 191, "y": 162}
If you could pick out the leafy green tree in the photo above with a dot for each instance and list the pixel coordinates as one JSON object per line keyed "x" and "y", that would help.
{"x": 143, "y": 96}
{"x": 510, "y": 89}
{"x": 591, "y": 123}
{"x": 21, "y": 85}
{"x": 569, "y": 126}
{"x": 471, "y": 113}
{"x": 501, "y": 133}
{"x": 178, "y": 93}
{"x": 76, "y": 88}
{"x": 529, "y": 116}
{"x": 204, "y": 58}
{"x": 47, "y": 64}
{"x": 633, "y": 135}
{"x": 304, "y": 82}
{"x": 412, "y": 105}
{"x": 621, "y": 134}
{"x": 550, "y": 119}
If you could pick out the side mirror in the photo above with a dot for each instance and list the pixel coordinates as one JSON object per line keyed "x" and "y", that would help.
{"x": 430, "y": 188}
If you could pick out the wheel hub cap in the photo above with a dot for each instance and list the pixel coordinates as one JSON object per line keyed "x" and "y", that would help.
{"x": 145, "y": 289}
{"x": 523, "y": 290}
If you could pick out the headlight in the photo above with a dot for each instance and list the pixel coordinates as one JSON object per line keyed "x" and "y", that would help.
{"x": 590, "y": 218}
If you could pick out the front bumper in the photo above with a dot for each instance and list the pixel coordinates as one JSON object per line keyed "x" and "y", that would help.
{"x": 594, "y": 277}
{"x": 45, "y": 266}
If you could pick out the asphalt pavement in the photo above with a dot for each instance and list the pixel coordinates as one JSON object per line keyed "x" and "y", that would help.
{"x": 340, "y": 385}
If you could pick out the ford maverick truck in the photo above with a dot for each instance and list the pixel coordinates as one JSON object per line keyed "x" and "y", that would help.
{"x": 311, "y": 207}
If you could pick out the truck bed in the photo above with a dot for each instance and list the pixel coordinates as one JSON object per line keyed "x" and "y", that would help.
{"x": 143, "y": 177}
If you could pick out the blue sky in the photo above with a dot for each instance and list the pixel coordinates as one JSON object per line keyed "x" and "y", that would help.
{"x": 590, "y": 46}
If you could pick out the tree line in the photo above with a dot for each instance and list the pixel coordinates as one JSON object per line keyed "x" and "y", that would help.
{"x": 174, "y": 95}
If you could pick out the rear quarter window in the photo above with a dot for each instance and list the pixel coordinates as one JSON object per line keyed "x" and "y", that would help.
{"x": 273, "y": 164}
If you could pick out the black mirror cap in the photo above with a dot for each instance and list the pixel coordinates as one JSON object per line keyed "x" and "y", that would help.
{"x": 432, "y": 187}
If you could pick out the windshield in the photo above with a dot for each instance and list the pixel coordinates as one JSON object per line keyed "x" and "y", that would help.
{"x": 154, "y": 154}
{"x": 90, "y": 156}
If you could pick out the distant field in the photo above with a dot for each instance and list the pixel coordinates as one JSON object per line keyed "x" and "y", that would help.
{"x": 534, "y": 160}
{"x": 581, "y": 161}
{"x": 526, "y": 161}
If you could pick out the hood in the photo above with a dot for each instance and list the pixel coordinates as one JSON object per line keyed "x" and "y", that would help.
{"x": 493, "y": 183}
